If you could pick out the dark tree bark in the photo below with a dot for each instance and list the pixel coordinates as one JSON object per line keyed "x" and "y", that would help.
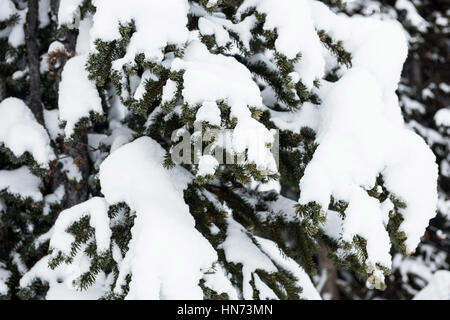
{"x": 329, "y": 288}
{"x": 33, "y": 60}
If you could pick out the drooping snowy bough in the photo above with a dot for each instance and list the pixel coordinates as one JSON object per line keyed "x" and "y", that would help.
{"x": 235, "y": 80}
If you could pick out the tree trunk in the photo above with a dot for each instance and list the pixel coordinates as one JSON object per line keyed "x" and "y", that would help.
{"x": 329, "y": 289}
{"x": 33, "y": 60}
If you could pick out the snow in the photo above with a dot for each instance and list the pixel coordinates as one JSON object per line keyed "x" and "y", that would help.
{"x": 15, "y": 33}
{"x": 211, "y": 78}
{"x": 53, "y": 198}
{"x": 271, "y": 249}
{"x": 134, "y": 174}
{"x": 44, "y": 10}
{"x": 164, "y": 22}
{"x": 97, "y": 210}
{"x": 293, "y": 22}
{"x": 52, "y": 123}
{"x": 209, "y": 112}
{"x": 56, "y": 46}
{"x": 239, "y": 248}
{"x": 63, "y": 279}
{"x": 219, "y": 282}
{"x": 75, "y": 83}
{"x": 20, "y": 132}
{"x": 70, "y": 168}
{"x": 412, "y": 15}
{"x": 307, "y": 116}
{"x": 7, "y": 9}
{"x": 21, "y": 183}
{"x": 219, "y": 26}
{"x": 207, "y": 165}
{"x": 4, "y": 276}
{"x": 169, "y": 91}
{"x": 84, "y": 40}
{"x": 438, "y": 288}
{"x": 442, "y": 118}
{"x": 353, "y": 111}
{"x": 69, "y": 12}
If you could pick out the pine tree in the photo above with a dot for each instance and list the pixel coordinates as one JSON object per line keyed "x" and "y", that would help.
{"x": 147, "y": 166}
{"x": 423, "y": 94}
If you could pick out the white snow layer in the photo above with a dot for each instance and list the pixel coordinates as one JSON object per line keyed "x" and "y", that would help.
{"x": 296, "y": 34}
{"x": 15, "y": 33}
{"x": 20, "y": 132}
{"x": 69, "y": 12}
{"x": 209, "y": 78}
{"x": 75, "y": 83}
{"x": 158, "y": 23}
{"x": 21, "y": 183}
{"x": 167, "y": 254}
{"x": 361, "y": 135}
{"x": 4, "y": 277}
{"x": 62, "y": 280}
{"x": 97, "y": 210}
{"x": 438, "y": 288}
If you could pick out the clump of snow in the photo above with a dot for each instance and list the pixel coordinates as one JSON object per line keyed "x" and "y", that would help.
{"x": 15, "y": 33}
{"x": 239, "y": 248}
{"x": 211, "y": 78}
{"x": 207, "y": 165}
{"x": 134, "y": 174}
{"x": 363, "y": 133}
{"x": 70, "y": 168}
{"x": 216, "y": 280}
{"x": 293, "y": 22}
{"x": 44, "y": 10}
{"x": 164, "y": 22}
{"x": 84, "y": 39}
{"x": 272, "y": 250}
{"x": 62, "y": 281}
{"x": 20, "y": 132}
{"x": 412, "y": 15}
{"x": 53, "y": 198}
{"x": 4, "y": 277}
{"x": 7, "y": 9}
{"x": 97, "y": 209}
{"x": 21, "y": 182}
{"x": 56, "y": 46}
{"x": 52, "y": 123}
{"x": 218, "y": 25}
{"x": 438, "y": 288}
{"x": 209, "y": 112}
{"x": 442, "y": 118}
{"x": 75, "y": 83}
{"x": 69, "y": 12}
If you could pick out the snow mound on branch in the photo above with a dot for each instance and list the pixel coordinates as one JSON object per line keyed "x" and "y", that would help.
{"x": 21, "y": 182}
{"x": 97, "y": 209}
{"x": 4, "y": 277}
{"x": 7, "y": 9}
{"x": 62, "y": 281}
{"x": 239, "y": 248}
{"x": 164, "y": 265}
{"x": 272, "y": 250}
{"x": 294, "y": 25}
{"x": 69, "y": 12}
{"x": 363, "y": 133}
{"x": 158, "y": 23}
{"x": 210, "y": 78}
{"x": 75, "y": 83}
{"x": 438, "y": 288}
{"x": 20, "y": 132}
{"x": 15, "y": 33}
